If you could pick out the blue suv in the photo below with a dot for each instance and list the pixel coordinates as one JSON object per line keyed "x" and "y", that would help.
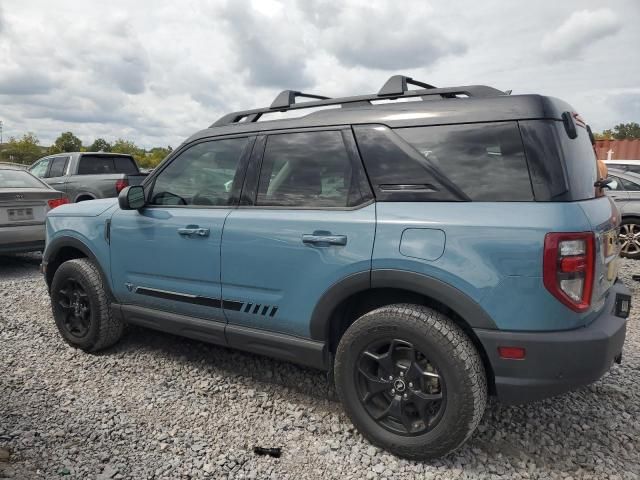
{"x": 428, "y": 246}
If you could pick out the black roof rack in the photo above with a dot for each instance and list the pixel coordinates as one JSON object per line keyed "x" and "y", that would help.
{"x": 395, "y": 87}
{"x": 286, "y": 98}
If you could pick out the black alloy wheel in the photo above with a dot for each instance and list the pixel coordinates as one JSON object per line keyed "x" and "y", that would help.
{"x": 76, "y": 307}
{"x": 400, "y": 387}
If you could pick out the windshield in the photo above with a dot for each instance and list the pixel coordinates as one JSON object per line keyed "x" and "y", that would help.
{"x": 18, "y": 179}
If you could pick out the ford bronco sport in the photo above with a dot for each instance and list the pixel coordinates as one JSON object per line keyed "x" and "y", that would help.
{"x": 430, "y": 252}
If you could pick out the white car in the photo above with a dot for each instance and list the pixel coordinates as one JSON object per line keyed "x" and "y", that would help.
{"x": 624, "y": 165}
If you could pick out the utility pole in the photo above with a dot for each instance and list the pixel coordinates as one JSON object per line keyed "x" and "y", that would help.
{"x": 0, "y": 132}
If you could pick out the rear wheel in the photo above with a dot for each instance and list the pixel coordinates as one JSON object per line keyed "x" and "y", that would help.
{"x": 411, "y": 381}
{"x": 81, "y": 307}
{"x": 630, "y": 237}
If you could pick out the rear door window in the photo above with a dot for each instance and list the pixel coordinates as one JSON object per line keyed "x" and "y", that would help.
{"x": 308, "y": 169}
{"x": 58, "y": 167}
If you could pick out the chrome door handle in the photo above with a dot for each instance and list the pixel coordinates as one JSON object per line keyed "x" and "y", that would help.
{"x": 324, "y": 239}
{"x": 193, "y": 231}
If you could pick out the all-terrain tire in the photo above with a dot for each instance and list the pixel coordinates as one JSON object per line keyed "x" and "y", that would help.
{"x": 103, "y": 328}
{"x": 458, "y": 364}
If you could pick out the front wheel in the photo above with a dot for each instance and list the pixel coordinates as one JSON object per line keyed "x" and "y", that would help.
{"x": 411, "y": 381}
{"x": 81, "y": 307}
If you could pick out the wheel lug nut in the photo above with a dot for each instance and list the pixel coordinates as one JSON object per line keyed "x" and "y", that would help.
{"x": 405, "y": 396}
{"x": 402, "y": 374}
{"x": 393, "y": 392}
{"x": 410, "y": 385}
{"x": 390, "y": 377}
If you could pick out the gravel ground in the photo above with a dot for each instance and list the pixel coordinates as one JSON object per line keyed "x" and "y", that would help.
{"x": 158, "y": 406}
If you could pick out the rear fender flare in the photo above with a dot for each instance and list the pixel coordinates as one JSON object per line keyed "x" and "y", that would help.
{"x": 467, "y": 308}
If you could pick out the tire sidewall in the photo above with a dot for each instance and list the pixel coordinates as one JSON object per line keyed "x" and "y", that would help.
{"x": 73, "y": 270}
{"x": 434, "y": 347}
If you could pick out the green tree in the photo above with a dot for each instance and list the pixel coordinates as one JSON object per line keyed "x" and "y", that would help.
{"x": 100, "y": 145}
{"x": 127, "y": 146}
{"x": 626, "y": 130}
{"x": 22, "y": 150}
{"x": 66, "y": 142}
{"x": 154, "y": 156}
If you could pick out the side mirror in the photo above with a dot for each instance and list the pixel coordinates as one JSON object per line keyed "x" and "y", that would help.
{"x": 131, "y": 198}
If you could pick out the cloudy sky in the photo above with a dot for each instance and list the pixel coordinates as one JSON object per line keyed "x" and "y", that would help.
{"x": 156, "y": 71}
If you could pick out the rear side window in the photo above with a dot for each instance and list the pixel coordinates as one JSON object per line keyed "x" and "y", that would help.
{"x": 58, "y": 167}
{"x": 478, "y": 162}
{"x": 97, "y": 164}
{"x": 485, "y": 161}
{"x": 309, "y": 169}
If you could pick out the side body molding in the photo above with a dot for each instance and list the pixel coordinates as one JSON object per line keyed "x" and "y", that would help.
{"x": 414, "y": 282}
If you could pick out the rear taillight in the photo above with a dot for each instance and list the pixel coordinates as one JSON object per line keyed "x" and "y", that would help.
{"x": 121, "y": 184}
{"x": 568, "y": 268}
{"x": 56, "y": 202}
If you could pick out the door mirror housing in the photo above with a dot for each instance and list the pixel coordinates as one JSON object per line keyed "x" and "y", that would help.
{"x": 131, "y": 198}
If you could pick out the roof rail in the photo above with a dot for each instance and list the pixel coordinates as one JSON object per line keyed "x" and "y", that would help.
{"x": 395, "y": 87}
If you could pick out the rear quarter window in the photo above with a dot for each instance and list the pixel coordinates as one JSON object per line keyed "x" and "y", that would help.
{"x": 485, "y": 161}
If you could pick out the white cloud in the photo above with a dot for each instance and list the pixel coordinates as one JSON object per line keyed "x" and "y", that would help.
{"x": 386, "y": 36}
{"x": 579, "y": 31}
{"x": 157, "y": 71}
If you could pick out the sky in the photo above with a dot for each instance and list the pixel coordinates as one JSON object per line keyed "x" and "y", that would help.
{"x": 156, "y": 71}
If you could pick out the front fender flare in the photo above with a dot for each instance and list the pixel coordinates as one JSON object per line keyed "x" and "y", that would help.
{"x": 54, "y": 247}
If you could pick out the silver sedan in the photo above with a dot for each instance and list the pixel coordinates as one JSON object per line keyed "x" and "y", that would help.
{"x": 24, "y": 203}
{"x": 624, "y": 188}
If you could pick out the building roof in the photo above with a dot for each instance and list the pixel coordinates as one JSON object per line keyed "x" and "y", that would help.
{"x": 620, "y": 149}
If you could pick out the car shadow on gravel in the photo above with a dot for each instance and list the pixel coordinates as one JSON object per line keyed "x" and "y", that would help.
{"x": 570, "y": 429}
{"x": 226, "y": 361}
{"x": 13, "y": 267}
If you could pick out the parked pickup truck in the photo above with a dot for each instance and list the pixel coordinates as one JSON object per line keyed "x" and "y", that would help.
{"x": 88, "y": 175}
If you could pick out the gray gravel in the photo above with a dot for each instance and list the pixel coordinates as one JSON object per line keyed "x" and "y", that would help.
{"x": 158, "y": 406}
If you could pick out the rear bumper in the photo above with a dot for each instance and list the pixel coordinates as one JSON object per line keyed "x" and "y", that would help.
{"x": 22, "y": 238}
{"x": 556, "y": 362}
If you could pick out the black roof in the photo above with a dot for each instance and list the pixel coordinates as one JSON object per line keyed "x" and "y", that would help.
{"x": 434, "y": 106}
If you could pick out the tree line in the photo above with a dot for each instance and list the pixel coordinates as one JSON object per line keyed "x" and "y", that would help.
{"x": 622, "y": 131}
{"x": 27, "y": 149}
